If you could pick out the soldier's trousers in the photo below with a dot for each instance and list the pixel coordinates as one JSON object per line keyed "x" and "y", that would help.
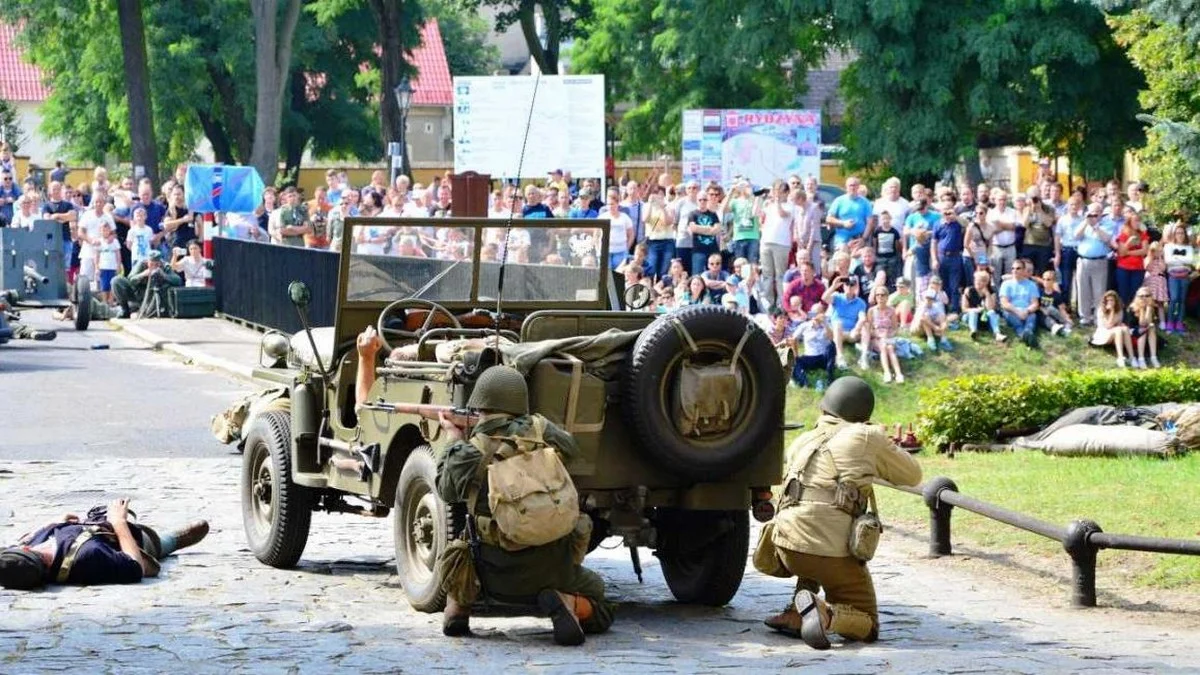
{"x": 848, "y": 590}
{"x": 518, "y": 576}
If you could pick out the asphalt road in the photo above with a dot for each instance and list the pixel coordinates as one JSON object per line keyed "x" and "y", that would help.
{"x": 65, "y": 400}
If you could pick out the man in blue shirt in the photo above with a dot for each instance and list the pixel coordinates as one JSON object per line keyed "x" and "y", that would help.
{"x": 849, "y": 315}
{"x": 1020, "y": 298}
{"x": 848, "y": 215}
{"x": 948, "y": 249}
{"x": 1096, "y": 239}
{"x": 9, "y": 193}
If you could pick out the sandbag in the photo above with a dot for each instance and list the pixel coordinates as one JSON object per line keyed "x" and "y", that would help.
{"x": 1186, "y": 419}
{"x": 1090, "y": 440}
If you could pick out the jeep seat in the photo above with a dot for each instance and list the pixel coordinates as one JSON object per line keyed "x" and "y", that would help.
{"x": 302, "y": 351}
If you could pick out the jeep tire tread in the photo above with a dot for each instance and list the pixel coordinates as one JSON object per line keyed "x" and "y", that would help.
{"x": 276, "y": 512}
{"x": 653, "y": 368}
{"x": 699, "y": 572}
{"x": 421, "y": 527}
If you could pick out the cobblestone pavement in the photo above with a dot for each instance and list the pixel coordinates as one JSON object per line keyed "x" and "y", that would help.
{"x": 216, "y": 609}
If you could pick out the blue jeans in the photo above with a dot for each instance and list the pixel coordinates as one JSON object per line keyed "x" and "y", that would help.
{"x": 746, "y": 248}
{"x": 1066, "y": 271}
{"x": 615, "y": 260}
{"x": 950, "y": 270}
{"x": 659, "y": 254}
{"x": 826, "y": 361}
{"x": 1023, "y": 327}
{"x": 1128, "y": 282}
{"x": 993, "y": 320}
{"x": 1177, "y": 290}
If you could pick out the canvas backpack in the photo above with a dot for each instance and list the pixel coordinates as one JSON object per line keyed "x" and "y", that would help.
{"x": 530, "y": 494}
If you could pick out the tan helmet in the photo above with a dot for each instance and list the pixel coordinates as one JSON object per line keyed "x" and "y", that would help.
{"x": 501, "y": 389}
{"x": 849, "y": 398}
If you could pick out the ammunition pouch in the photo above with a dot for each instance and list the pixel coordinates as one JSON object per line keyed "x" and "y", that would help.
{"x": 843, "y": 496}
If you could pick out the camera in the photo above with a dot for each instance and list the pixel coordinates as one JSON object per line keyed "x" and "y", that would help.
{"x": 179, "y": 251}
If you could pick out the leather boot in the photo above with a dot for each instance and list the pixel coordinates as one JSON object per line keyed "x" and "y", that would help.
{"x": 456, "y": 619}
{"x": 787, "y": 622}
{"x": 191, "y": 535}
{"x": 564, "y": 610}
{"x": 815, "y": 620}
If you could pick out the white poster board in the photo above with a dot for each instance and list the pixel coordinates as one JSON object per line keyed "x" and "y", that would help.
{"x": 566, "y": 131}
{"x": 760, "y": 145}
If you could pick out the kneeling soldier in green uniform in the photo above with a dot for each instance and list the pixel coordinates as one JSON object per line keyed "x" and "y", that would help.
{"x": 828, "y": 484}
{"x": 524, "y": 511}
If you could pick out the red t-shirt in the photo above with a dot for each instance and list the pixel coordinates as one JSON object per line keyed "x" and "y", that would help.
{"x": 1136, "y": 244}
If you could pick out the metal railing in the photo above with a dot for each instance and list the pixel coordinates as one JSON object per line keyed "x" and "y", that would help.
{"x": 1081, "y": 539}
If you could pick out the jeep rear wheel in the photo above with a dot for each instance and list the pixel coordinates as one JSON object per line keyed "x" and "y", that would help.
{"x": 703, "y": 554}
{"x": 421, "y": 530}
{"x": 276, "y": 512}
{"x": 703, "y": 335}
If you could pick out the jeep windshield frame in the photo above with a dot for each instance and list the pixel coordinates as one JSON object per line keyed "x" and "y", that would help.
{"x": 373, "y": 273}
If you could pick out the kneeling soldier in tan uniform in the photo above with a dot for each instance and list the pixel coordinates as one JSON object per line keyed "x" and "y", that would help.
{"x": 828, "y": 484}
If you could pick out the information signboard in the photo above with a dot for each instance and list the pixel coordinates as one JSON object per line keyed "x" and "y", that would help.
{"x": 566, "y": 131}
{"x": 761, "y": 145}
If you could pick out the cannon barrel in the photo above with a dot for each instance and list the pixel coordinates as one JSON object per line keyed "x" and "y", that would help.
{"x": 32, "y": 274}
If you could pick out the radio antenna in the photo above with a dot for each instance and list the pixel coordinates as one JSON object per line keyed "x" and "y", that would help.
{"x": 512, "y": 204}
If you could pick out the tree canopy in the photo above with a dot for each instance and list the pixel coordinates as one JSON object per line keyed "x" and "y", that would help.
{"x": 931, "y": 81}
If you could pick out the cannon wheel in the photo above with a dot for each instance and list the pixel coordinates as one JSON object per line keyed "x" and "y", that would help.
{"x": 83, "y": 302}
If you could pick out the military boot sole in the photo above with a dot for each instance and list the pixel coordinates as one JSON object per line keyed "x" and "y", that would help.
{"x": 44, "y": 335}
{"x": 567, "y": 631}
{"x": 811, "y": 630}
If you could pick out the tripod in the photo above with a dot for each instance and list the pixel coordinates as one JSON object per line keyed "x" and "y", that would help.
{"x": 151, "y": 299}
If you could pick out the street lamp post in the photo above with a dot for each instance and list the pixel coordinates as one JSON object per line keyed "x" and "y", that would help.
{"x": 404, "y": 93}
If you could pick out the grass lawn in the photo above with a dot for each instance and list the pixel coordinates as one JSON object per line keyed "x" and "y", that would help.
{"x": 1140, "y": 496}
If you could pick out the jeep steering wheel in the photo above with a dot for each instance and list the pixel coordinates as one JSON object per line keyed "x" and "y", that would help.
{"x": 410, "y": 303}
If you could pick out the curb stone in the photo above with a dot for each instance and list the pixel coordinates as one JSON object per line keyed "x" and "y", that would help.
{"x": 189, "y": 354}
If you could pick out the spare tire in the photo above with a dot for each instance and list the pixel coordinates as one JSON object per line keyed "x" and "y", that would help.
{"x": 652, "y": 376}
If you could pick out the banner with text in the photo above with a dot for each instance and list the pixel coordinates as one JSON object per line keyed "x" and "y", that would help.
{"x": 759, "y": 145}
{"x": 566, "y": 130}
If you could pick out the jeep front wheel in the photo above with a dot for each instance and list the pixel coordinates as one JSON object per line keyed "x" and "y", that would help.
{"x": 276, "y": 512}
{"x": 703, "y": 554}
{"x": 420, "y": 532}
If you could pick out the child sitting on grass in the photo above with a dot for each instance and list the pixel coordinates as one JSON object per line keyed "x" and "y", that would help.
{"x": 1142, "y": 329}
{"x": 979, "y": 303}
{"x": 882, "y": 322}
{"x": 1055, "y": 310}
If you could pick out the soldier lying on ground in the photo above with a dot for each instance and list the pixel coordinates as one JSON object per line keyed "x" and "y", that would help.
{"x": 103, "y": 549}
{"x": 493, "y": 560}
{"x": 21, "y": 331}
{"x": 827, "y": 486}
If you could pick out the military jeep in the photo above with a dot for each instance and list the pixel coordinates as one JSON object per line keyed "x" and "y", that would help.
{"x": 678, "y": 416}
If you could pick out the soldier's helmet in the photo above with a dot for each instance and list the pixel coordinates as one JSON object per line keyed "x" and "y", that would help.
{"x": 849, "y": 398}
{"x": 501, "y": 389}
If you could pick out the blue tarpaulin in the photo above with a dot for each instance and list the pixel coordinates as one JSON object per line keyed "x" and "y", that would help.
{"x": 209, "y": 188}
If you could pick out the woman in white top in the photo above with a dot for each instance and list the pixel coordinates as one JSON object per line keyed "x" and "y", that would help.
{"x": 1179, "y": 256}
{"x": 24, "y": 214}
{"x": 775, "y": 214}
{"x": 193, "y": 266}
{"x": 620, "y": 229}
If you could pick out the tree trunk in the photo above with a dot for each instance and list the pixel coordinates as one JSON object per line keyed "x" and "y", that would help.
{"x": 137, "y": 87}
{"x": 240, "y": 135}
{"x": 392, "y": 66}
{"x": 546, "y": 60}
{"x": 272, "y": 61}
{"x": 973, "y": 168}
{"x": 294, "y": 138}
{"x": 217, "y": 137}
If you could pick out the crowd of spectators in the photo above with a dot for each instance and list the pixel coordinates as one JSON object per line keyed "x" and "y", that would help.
{"x": 853, "y": 280}
{"x": 108, "y": 227}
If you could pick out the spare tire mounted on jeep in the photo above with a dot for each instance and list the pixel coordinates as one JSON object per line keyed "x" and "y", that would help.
{"x": 704, "y": 391}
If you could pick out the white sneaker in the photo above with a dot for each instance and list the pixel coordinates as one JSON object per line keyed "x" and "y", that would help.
{"x": 864, "y": 363}
{"x": 1120, "y": 362}
{"x": 841, "y": 363}
{"x": 899, "y": 378}
{"x": 1139, "y": 363}
{"x": 887, "y": 378}
{"x": 1066, "y": 331}
{"x": 1056, "y": 329}
{"x": 1154, "y": 362}
{"x": 1001, "y": 337}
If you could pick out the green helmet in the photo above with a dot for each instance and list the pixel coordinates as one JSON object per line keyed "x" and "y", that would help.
{"x": 501, "y": 389}
{"x": 849, "y": 398}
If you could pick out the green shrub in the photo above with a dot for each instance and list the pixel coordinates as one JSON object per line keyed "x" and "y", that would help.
{"x": 974, "y": 408}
